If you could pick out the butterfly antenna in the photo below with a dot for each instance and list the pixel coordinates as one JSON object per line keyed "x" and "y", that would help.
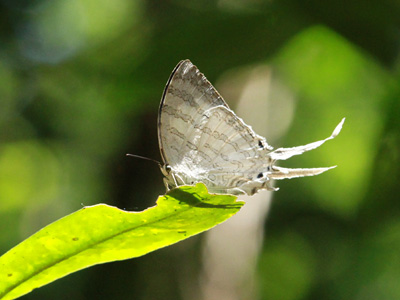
{"x": 142, "y": 157}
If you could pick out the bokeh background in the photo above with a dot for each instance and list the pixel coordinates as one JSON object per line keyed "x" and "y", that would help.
{"x": 80, "y": 85}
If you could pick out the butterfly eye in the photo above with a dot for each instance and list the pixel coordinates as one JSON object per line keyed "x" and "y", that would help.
{"x": 260, "y": 175}
{"x": 260, "y": 144}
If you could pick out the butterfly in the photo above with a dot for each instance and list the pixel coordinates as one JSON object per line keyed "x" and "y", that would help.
{"x": 202, "y": 140}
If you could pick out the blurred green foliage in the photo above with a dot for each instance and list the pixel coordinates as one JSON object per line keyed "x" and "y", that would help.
{"x": 80, "y": 84}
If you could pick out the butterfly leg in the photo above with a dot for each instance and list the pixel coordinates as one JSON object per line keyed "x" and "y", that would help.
{"x": 166, "y": 184}
{"x": 176, "y": 181}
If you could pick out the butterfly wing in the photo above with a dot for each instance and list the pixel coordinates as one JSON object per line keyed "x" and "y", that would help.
{"x": 234, "y": 159}
{"x": 201, "y": 139}
{"x": 187, "y": 95}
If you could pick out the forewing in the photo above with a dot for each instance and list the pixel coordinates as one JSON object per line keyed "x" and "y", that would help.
{"x": 187, "y": 95}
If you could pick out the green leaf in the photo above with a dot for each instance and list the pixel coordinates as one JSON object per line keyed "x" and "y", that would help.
{"x": 102, "y": 233}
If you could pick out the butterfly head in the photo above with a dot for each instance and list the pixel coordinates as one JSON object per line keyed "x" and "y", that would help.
{"x": 171, "y": 179}
{"x": 166, "y": 170}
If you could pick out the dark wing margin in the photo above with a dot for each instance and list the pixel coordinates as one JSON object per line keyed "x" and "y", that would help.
{"x": 162, "y": 104}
